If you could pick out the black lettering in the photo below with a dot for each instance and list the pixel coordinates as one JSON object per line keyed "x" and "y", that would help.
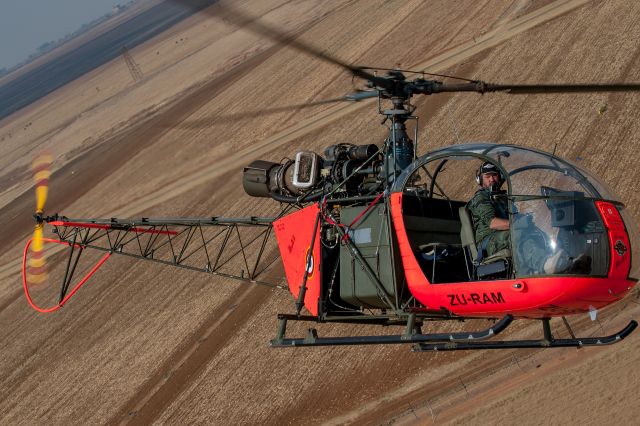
{"x": 486, "y": 299}
{"x": 452, "y": 301}
{"x": 475, "y": 298}
{"x": 462, "y": 301}
{"x": 497, "y": 298}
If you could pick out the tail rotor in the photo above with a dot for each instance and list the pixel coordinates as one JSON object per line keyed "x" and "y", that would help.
{"x": 37, "y": 272}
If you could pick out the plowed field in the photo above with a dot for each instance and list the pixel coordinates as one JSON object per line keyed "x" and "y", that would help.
{"x": 143, "y": 343}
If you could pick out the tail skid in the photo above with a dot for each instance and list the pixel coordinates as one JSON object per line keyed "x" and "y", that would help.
{"x": 64, "y": 297}
{"x": 229, "y": 247}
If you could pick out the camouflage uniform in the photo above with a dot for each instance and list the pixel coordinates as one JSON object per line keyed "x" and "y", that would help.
{"x": 483, "y": 209}
{"x": 531, "y": 251}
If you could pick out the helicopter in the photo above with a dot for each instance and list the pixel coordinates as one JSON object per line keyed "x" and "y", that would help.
{"x": 375, "y": 234}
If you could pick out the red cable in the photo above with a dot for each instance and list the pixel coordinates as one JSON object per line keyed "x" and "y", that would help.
{"x": 76, "y": 288}
{"x": 366, "y": 210}
{"x": 373, "y": 203}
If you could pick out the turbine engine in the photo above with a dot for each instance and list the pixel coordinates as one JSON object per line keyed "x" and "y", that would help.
{"x": 351, "y": 169}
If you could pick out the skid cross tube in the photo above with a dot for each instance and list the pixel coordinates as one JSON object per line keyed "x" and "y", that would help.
{"x": 312, "y": 338}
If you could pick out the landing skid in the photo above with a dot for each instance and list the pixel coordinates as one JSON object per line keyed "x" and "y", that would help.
{"x": 411, "y": 335}
{"x": 547, "y": 342}
{"x": 446, "y": 341}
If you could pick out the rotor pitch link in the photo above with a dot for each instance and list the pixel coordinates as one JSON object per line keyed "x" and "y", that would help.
{"x": 528, "y": 344}
{"x": 312, "y": 338}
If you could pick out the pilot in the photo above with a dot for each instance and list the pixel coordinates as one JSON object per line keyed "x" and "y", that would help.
{"x": 490, "y": 216}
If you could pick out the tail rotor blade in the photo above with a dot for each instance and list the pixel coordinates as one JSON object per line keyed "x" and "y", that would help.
{"x": 37, "y": 271}
{"x": 41, "y": 172}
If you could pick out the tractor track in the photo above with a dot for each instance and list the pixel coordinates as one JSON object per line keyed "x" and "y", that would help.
{"x": 183, "y": 366}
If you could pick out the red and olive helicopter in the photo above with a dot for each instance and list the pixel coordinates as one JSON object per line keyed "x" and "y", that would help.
{"x": 377, "y": 235}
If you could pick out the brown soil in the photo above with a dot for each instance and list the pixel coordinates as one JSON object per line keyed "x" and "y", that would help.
{"x": 143, "y": 343}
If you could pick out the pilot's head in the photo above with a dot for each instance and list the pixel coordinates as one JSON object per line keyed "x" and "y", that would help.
{"x": 488, "y": 175}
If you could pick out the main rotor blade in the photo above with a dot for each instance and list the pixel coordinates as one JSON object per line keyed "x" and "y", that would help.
{"x": 207, "y": 122}
{"x": 527, "y": 89}
{"x": 242, "y": 20}
{"x": 518, "y": 89}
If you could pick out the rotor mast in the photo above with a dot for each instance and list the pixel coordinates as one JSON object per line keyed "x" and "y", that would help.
{"x": 399, "y": 149}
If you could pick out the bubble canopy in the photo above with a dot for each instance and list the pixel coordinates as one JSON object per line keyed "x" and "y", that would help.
{"x": 526, "y": 170}
{"x": 550, "y": 201}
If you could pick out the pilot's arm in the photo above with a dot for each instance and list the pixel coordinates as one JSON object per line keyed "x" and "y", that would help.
{"x": 485, "y": 217}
